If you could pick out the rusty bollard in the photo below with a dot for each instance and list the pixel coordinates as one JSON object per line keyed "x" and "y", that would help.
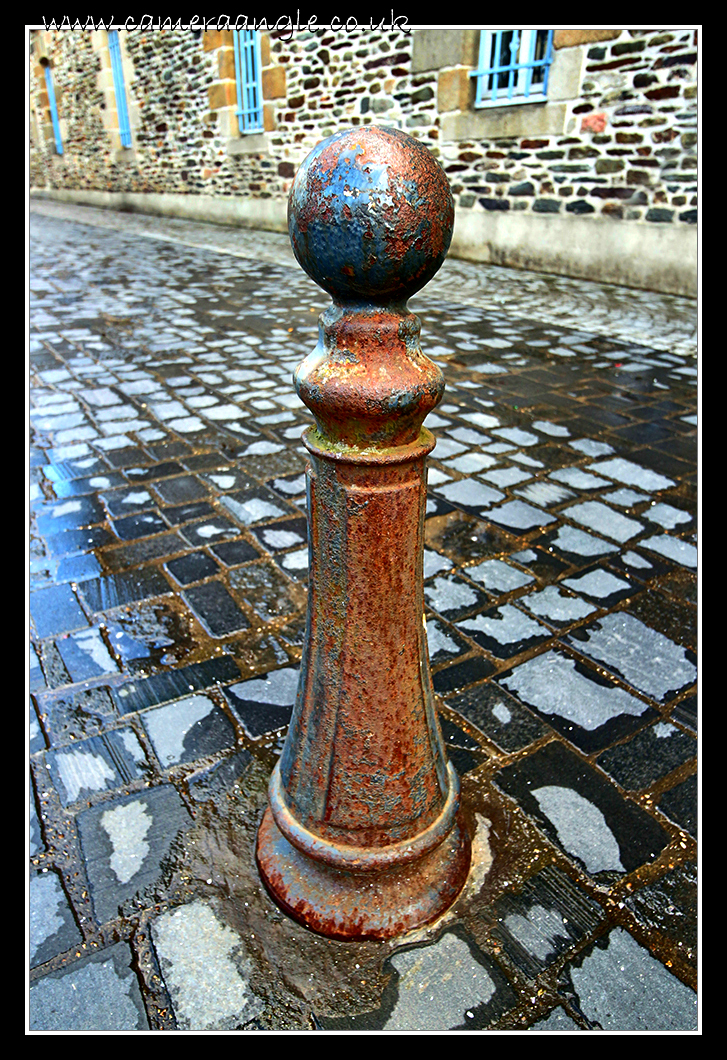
{"x": 363, "y": 836}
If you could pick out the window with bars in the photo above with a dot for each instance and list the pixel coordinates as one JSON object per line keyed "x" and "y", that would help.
{"x": 53, "y": 108}
{"x": 513, "y": 66}
{"x": 249, "y": 81}
{"x": 117, "y": 71}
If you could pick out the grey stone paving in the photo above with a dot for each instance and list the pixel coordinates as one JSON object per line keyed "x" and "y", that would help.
{"x": 168, "y": 586}
{"x": 97, "y": 994}
{"x": 204, "y": 965}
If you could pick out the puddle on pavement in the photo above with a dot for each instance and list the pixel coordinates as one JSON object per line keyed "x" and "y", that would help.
{"x": 148, "y": 636}
{"x": 77, "y": 715}
{"x": 464, "y": 537}
{"x": 298, "y": 973}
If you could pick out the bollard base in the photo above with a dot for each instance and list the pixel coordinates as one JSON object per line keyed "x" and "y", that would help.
{"x": 355, "y": 906}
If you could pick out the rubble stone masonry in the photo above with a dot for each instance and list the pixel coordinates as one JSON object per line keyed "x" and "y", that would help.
{"x": 615, "y": 143}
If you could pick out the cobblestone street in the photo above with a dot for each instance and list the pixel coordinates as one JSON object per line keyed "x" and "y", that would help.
{"x": 167, "y": 597}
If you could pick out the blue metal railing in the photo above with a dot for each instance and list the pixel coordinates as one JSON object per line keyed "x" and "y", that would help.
{"x": 247, "y": 74}
{"x": 53, "y": 110}
{"x": 119, "y": 88}
{"x": 506, "y": 75}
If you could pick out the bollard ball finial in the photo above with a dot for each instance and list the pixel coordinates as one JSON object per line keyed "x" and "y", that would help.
{"x": 370, "y": 215}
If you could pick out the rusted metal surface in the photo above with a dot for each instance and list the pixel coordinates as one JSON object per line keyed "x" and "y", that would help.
{"x": 370, "y": 215}
{"x": 363, "y": 836}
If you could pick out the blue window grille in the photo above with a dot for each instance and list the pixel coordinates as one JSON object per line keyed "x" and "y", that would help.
{"x": 513, "y": 66}
{"x": 119, "y": 88}
{"x": 53, "y": 110}
{"x": 249, "y": 84}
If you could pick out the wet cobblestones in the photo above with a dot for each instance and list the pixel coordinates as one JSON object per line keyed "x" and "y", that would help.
{"x": 168, "y": 581}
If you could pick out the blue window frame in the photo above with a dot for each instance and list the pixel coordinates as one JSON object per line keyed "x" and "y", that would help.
{"x": 53, "y": 109}
{"x": 248, "y": 78}
{"x": 117, "y": 70}
{"x": 513, "y": 66}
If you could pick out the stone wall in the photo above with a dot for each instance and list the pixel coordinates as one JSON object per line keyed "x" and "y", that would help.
{"x": 600, "y": 181}
{"x": 627, "y": 142}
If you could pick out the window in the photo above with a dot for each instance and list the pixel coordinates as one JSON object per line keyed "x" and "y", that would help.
{"x": 117, "y": 70}
{"x": 249, "y": 86}
{"x": 53, "y": 108}
{"x": 513, "y": 66}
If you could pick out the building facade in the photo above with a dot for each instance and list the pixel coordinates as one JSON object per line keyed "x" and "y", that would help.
{"x": 568, "y": 151}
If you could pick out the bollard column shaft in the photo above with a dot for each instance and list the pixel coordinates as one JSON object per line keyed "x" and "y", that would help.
{"x": 366, "y": 715}
{"x": 363, "y": 836}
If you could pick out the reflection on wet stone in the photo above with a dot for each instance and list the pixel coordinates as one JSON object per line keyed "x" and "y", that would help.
{"x": 142, "y": 525}
{"x": 544, "y": 920}
{"x": 96, "y": 764}
{"x": 85, "y": 655}
{"x": 210, "y": 531}
{"x": 51, "y": 926}
{"x": 601, "y": 586}
{"x": 193, "y": 567}
{"x": 517, "y": 516}
{"x": 583, "y": 814}
{"x": 184, "y": 488}
{"x": 99, "y": 994}
{"x": 648, "y": 660}
{"x": 264, "y": 704}
{"x": 631, "y": 474}
{"x": 544, "y": 494}
{"x": 253, "y": 506}
{"x": 574, "y": 542}
{"x": 216, "y": 609}
{"x": 673, "y": 548}
{"x": 581, "y": 827}
{"x": 442, "y": 642}
{"x": 283, "y": 535}
{"x": 262, "y": 587}
{"x": 613, "y": 983}
{"x": 463, "y": 537}
{"x": 587, "y": 709}
{"x": 555, "y": 606}
{"x": 150, "y": 635}
{"x": 504, "y": 632}
{"x": 173, "y": 684}
{"x": 189, "y": 729}
{"x": 103, "y": 594}
{"x": 501, "y": 717}
{"x": 124, "y": 843}
{"x": 578, "y": 479}
{"x": 498, "y": 577}
{"x": 234, "y": 553}
{"x": 73, "y": 715}
{"x": 464, "y": 987}
{"x": 670, "y": 907}
{"x": 452, "y": 597}
{"x": 604, "y": 520}
{"x": 191, "y": 941}
{"x": 470, "y": 494}
{"x": 56, "y": 610}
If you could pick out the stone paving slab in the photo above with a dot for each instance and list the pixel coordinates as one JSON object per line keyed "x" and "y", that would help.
{"x": 168, "y": 586}
{"x": 100, "y": 993}
{"x": 204, "y": 963}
